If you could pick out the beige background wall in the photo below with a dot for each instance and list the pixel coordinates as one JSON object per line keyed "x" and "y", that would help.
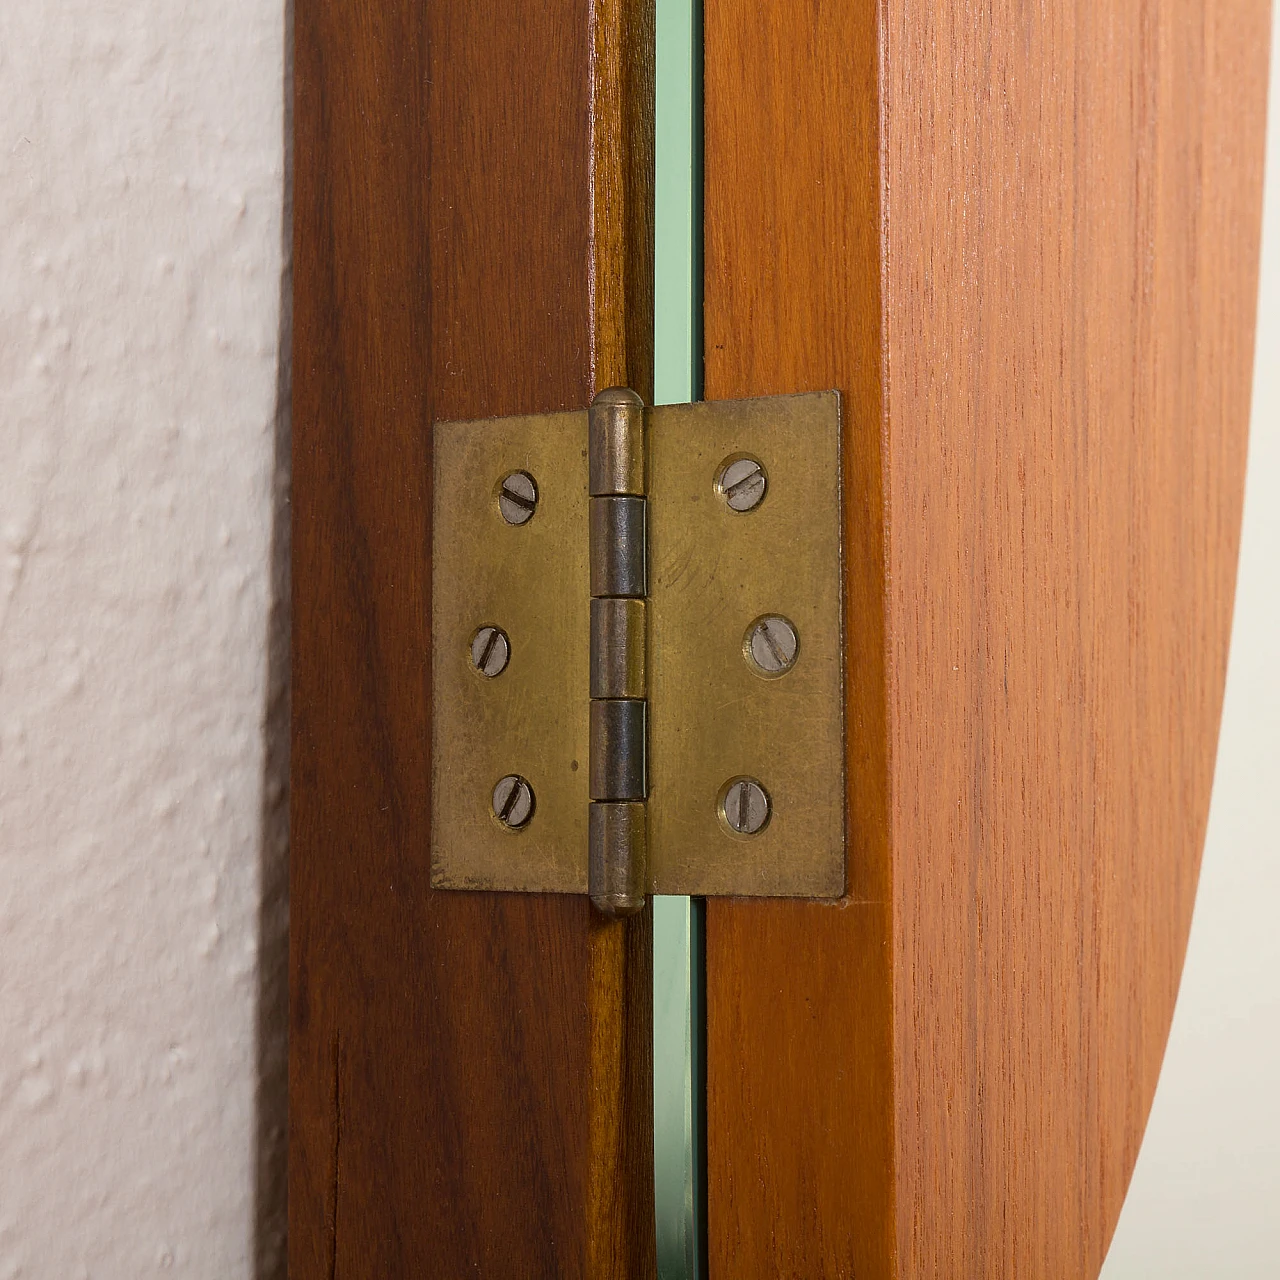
{"x": 141, "y": 171}
{"x": 141, "y": 914}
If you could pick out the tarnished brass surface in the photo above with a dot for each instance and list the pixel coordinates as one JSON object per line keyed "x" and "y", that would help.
{"x": 619, "y": 642}
{"x": 711, "y": 716}
{"x": 531, "y": 580}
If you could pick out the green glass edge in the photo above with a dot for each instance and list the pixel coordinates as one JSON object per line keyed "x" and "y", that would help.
{"x": 679, "y": 1059}
{"x": 677, "y": 223}
{"x": 678, "y": 1075}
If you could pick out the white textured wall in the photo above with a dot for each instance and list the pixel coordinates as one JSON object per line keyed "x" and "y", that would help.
{"x": 140, "y": 281}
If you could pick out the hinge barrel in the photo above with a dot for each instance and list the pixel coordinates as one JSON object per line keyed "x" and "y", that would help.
{"x": 617, "y": 831}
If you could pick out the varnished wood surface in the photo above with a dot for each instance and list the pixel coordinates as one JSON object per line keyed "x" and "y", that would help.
{"x": 1023, "y": 242}
{"x": 469, "y": 1074}
{"x": 799, "y": 1048}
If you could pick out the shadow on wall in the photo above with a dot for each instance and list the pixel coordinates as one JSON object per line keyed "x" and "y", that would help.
{"x": 270, "y": 1223}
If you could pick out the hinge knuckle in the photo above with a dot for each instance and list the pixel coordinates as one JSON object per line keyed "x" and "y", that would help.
{"x": 618, "y": 766}
{"x": 617, "y": 872}
{"x": 618, "y": 649}
{"x": 616, "y": 461}
{"x": 618, "y": 547}
{"x": 616, "y": 455}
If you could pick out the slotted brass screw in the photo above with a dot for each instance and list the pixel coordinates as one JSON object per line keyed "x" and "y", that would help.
{"x": 513, "y": 801}
{"x": 518, "y": 497}
{"x": 742, "y": 484}
{"x": 772, "y": 645}
{"x": 490, "y": 651}
{"x": 745, "y": 806}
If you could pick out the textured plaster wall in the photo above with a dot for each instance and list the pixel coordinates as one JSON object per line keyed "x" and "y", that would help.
{"x": 141, "y": 178}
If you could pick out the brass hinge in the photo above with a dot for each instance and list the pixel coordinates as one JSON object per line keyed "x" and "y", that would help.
{"x": 637, "y": 668}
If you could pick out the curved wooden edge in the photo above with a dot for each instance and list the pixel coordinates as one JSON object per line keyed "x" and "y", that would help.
{"x": 1024, "y": 244}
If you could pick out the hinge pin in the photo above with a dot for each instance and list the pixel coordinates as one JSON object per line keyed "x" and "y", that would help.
{"x": 617, "y": 832}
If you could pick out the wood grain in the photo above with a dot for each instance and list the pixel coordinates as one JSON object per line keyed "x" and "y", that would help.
{"x": 469, "y": 1074}
{"x": 1023, "y": 242}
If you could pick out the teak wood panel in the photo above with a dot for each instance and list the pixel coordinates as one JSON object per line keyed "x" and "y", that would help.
{"x": 469, "y": 1074}
{"x": 1023, "y": 241}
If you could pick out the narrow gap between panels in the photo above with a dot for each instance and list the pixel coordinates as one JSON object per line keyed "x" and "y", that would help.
{"x": 679, "y": 977}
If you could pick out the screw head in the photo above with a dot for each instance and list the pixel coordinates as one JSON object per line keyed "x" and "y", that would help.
{"x": 490, "y": 651}
{"x": 742, "y": 483}
{"x": 745, "y": 806}
{"x": 518, "y": 497}
{"x": 771, "y": 645}
{"x": 513, "y": 802}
